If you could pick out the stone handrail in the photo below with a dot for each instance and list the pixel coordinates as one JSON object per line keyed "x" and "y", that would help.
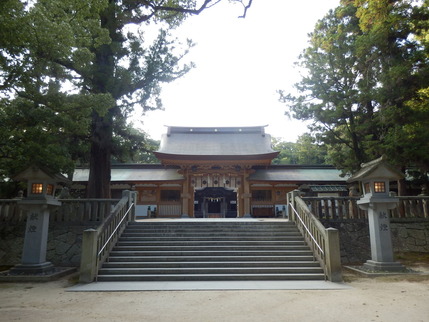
{"x": 97, "y": 243}
{"x": 324, "y": 242}
{"x": 346, "y": 208}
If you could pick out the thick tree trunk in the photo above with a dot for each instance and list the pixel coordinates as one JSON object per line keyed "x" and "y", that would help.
{"x": 102, "y": 126}
{"x": 402, "y": 191}
{"x": 101, "y": 148}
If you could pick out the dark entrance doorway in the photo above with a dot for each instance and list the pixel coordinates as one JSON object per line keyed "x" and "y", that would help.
{"x": 215, "y": 203}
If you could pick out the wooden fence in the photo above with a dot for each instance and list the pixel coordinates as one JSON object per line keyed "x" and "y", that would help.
{"x": 346, "y": 208}
{"x": 70, "y": 211}
{"x": 10, "y": 211}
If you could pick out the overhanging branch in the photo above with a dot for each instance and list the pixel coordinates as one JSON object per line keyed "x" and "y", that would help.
{"x": 246, "y": 7}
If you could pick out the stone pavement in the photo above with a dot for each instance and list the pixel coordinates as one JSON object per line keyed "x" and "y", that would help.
{"x": 206, "y": 286}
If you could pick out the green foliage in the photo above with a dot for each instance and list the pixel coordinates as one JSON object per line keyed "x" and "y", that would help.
{"x": 70, "y": 73}
{"x": 133, "y": 146}
{"x": 79, "y": 68}
{"x": 365, "y": 81}
{"x": 305, "y": 151}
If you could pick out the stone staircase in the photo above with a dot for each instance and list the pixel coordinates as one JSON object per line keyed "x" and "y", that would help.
{"x": 210, "y": 250}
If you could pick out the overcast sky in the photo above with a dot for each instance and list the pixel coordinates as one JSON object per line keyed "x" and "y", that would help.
{"x": 240, "y": 64}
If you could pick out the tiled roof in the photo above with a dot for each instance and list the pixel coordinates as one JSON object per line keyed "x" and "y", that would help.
{"x": 328, "y": 188}
{"x": 132, "y": 173}
{"x": 298, "y": 174}
{"x": 212, "y": 141}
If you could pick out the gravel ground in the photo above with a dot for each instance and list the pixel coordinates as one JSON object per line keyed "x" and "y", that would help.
{"x": 395, "y": 298}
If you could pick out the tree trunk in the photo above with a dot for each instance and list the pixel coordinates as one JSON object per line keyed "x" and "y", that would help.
{"x": 102, "y": 126}
{"x": 99, "y": 167}
{"x": 402, "y": 191}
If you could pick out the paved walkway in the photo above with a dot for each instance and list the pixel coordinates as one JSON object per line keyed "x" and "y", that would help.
{"x": 206, "y": 286}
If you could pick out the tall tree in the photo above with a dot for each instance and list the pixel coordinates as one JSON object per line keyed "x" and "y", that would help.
{"x": 397, "y": 32}
{"x": 95, "y": 52}
{"x": 336, "y": 88}
{"x": 364, "y": 69}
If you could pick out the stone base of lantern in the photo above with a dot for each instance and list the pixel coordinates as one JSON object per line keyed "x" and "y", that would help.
{"x": 384, "y": 266}
{"x": 32, "y": 269}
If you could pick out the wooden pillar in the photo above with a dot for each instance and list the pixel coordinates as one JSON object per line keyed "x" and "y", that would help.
{"x": 185, "y": 194}
{"x": 246, "y": 194}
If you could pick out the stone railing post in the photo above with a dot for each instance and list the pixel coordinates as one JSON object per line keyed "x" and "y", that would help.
{"x": 134, "y": 202}
{"x": 131, "y": 199}
{"x": 88, "y": 263}
{"x": 291, "y": 203}
{"x": 333, "y": 255}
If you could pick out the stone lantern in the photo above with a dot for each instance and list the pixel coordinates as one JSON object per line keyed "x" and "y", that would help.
{"x": 41, "y": 186}
{"x": 375, "y": 177}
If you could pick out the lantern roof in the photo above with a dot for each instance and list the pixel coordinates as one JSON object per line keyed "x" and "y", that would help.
{"x": 34, "y": 172}
{"x": 376, "y": 169}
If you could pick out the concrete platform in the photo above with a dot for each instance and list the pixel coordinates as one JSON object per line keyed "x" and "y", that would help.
{"x": 206, "y": 286}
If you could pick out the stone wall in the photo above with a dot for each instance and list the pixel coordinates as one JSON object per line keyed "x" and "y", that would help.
{"x": 11, "y": 242}
{"x": 64, "y": 243}
{"x": 408, "y": 235}
{"x": 65, "y": 240}
{"x": 354, "y": 240}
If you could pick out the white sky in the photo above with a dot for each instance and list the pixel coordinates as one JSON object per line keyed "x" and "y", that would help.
{"x": 240, "y": 63}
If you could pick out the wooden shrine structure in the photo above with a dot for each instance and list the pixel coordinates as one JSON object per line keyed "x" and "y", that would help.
{"x": 209, "y": 172}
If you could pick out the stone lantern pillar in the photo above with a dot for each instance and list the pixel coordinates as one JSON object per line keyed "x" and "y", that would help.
{"x": 375, "y": 177}
{"x": 41, "y": 186}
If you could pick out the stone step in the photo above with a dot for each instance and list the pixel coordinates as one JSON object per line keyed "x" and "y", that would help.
{"x": 212, "y": 223}
{"x": 210, "y": 258}
{"x": 239, "y": 225}
{"x": 212, "y": 227}
{"x": 209, "y": 248}
{"x": 298, "y": 237}
{"x": 212, "y": 253}
{"x": 162, "y": 229}
{"x": 210, "y": 270}
{"x": 212, "y": 264}
{"x": 192, "y": 251}
{"x": 211, "y": 243}
{"x": 191, "y": 234}
{"x": 210, "y": 277}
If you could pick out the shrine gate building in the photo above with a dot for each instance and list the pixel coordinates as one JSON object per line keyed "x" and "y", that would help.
{"x": 217, "y": 172}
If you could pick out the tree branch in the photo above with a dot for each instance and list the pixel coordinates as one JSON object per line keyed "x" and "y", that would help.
{"x": 204, "y": 6}
{"x": 246, "y": 7}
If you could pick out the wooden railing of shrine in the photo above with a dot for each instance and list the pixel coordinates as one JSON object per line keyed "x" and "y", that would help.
{"x": 76, "y": 211}
{"x": 10, "y": 211}
{"x": 324, "y": 242}
{"x": 346, "y": 208}
{"x": 97, "y": 243}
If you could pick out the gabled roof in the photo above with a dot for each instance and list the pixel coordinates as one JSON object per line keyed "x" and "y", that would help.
{"x": 134, "y": 173}
{"x": 275, "y": 173}
{"x": 297, "y": 173}
{"x": 378, "y": 168}
{"x": 219, "y": 143}
{"x": 39, "y": 173}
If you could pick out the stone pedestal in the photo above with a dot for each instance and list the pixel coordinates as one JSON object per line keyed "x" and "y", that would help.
{"x": 380, "y": 237}
{"x": 36, "y": 238}
{"x": 375, "y": 177}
